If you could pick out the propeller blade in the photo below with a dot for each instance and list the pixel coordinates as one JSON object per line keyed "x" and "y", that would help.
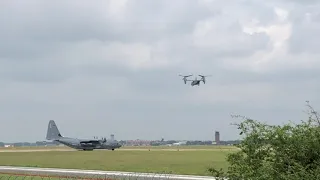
{"x": 186, "y": 75}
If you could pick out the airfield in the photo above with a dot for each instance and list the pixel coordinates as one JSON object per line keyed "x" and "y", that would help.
{"x": 185, "y": 160}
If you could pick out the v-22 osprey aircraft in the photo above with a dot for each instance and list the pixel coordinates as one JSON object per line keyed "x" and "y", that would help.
{"x": 80, "y": 144}
{"x": 195, "y": 81}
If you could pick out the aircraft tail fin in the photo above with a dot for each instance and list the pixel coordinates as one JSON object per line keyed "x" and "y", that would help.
{"x": 53, "y": 131}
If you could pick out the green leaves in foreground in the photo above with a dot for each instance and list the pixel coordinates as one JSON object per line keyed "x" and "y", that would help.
{"x": 290, "y": 151}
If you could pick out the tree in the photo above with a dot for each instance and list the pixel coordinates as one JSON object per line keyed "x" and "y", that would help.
{"x": 290, "y": 151}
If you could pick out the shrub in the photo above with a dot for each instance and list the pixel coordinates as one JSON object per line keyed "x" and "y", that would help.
{"x": 282, "y": 152}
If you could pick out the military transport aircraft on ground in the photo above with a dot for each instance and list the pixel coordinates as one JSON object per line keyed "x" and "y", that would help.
{"x": 195, "y": 81}
{"x": 79, "y": 144}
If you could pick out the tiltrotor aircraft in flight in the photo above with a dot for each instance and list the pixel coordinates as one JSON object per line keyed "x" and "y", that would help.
{"x": 80, "y": 144}
{"x": 195, "y": 81}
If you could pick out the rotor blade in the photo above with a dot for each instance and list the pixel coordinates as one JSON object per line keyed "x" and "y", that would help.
{"x": 204, "y": 76}
{"x": 186, "y": 75}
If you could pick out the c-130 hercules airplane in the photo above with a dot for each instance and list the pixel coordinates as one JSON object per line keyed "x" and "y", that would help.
{"x": 79, "y": 144}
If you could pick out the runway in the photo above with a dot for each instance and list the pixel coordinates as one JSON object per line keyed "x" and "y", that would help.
{"x": 124, "y": 149}
{"x": 34, "y": 150}
{"x": 94, "y": 174}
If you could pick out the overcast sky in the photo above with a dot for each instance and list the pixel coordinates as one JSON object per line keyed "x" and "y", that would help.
{"x": 111, "y": 66}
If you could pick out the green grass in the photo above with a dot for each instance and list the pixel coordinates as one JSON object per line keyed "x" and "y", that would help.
{"x": 23, "y": 177}
{"x": 8, "y": 176}
{"x": 176, "y": 162}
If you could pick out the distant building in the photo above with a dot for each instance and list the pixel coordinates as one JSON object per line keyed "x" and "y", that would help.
{"x": 137, "y": 142}
{"x": 217, "y": 137}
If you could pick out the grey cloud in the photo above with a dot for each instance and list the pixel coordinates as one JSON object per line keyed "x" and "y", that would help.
{"x": 305, "y": 27}
{"x": 55, "y": 64}
{"x": 146, "y": 84}
{"x": 165, "y": 19}
{"x": 26, "y": 50}
{"x": 34, "y": 70}
{"x": 59, "y": 22}
{"x": 275, "y": 77}
{"x": 89, "y": 21}
{"x": 298, "y": 2}
{"x": 304, "y": 38}
{"x": 47, "y": 30}
{"x": 232, "y": 43}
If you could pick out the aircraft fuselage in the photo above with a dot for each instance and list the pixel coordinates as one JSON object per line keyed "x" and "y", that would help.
{"x": 76, "y": 144}
{"x": 195, "y": 82}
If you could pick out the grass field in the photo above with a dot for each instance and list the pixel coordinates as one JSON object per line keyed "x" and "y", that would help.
{"x": 22, "y": 177}
{"x": 193, "y": 161}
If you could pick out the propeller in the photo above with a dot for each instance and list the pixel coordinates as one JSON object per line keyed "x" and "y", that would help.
{"x": 203, "y": 78}
{"x": 103, "y": 139}
{"x": 185, "y": 78}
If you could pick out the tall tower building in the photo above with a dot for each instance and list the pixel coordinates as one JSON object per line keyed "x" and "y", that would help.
{"x": 217, "y": 137}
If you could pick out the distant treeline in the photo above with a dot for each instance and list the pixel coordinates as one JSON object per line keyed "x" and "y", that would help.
{"x": 190, "y": 143}
{"x": 38, "y": 143}
{"x": 153, "y": 143}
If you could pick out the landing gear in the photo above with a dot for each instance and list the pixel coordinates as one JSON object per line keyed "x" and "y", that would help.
{"x": 88, "y": 149}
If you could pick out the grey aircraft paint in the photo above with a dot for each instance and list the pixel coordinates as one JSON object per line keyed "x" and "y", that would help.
{"x": 195, "y": 81}
{"x": 80, "y": 144}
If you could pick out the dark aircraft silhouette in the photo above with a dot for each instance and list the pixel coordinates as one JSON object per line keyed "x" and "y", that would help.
{"x": 195, "y": 81}
{"x": 80, "y": 144}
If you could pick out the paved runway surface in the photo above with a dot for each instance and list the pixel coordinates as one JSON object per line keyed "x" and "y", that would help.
{"x": 33, "y": 150}
{"x": 95, "y": 174}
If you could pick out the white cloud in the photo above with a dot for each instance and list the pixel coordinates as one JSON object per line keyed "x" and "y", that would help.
{"x": 116, "y": 8}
